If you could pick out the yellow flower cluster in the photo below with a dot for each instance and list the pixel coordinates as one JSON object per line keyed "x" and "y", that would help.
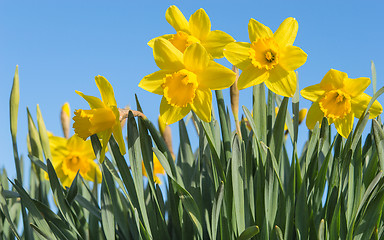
{"x": 187, "y": 74}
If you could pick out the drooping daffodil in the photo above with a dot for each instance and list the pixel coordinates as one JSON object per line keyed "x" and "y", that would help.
{"x": 185, "y": 80}
{"x": 197, "y": 29}
{"x": 340, "y": 99}
{"x": 270, "y": 57}
{"x": 73, "y": 155}
{"x": 102, "y": 119}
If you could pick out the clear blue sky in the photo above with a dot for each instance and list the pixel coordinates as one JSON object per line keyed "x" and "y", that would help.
{"x": 61, "y": 45}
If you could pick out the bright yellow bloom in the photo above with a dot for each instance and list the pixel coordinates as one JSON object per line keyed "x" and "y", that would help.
{"x": 340, "y": 99}
{"x": 185, "y": 80}
{"x": 269, "y": 58}
{"x": 102, "y": 119}
{"x": 72, "y": 155}
{"x": 157, "y": 169}
{"x": 198, "y": 29}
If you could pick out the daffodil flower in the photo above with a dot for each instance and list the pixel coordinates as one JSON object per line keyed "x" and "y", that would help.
{"x": 157, "y": 169}
{"x": 339, "y": 99}
{"x": 72, "y": 155}
{"x": 198, "y": 29}
{"x": 102, "y": 119}
{"x": 269, "y": 58}
{"x": 185, "y": 80}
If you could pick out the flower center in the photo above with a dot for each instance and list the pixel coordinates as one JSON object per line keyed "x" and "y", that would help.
{"x": 179, "y": 88}
{"x": 182, "y": 40}
{"x": 89, "y": 122}
{"x": 74, "y": 163}
{"x": 335, "y": 104}
{"x": 264, "y": 53}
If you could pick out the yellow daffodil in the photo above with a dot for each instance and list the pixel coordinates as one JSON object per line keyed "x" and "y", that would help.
{"x": 157, "y": 169}
{"x": 339, "y": 99}
{"x": 198, "y": 29}
{"x": 269, "y": 58}
{"x": 102, "y": 119}
{"x": 185, "y": 80}
{"x": 72, "y": 155}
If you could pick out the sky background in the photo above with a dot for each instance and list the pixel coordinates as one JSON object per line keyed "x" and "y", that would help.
{"x": 61, "y": 46}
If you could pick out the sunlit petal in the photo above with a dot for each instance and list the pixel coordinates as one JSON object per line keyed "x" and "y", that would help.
{"x": 344, "y": 125}
{"x": 314, "y": 115}
{"x": 292, "y": 58}
{"x": 167, "y": 56}
{"x": 152, "y": 82}
{"x": 199, "y": 24}
{"x": 360, "y": 103}
{"x": 106, "y": 91}
{"x": 357, "y": 86}
{"x": 252, "y": 76}
{"x": 196, "y": 58}
{"x": 334, "y": 79}
{"x": 202, "y": 104}
{"x": 93, "y": 102}
{"x": 216, "y": 77}
{"x": 117, "y": 133}
{"x": 176, "y": 18}
{"x": 152, "y": 41}
{"x": 238, "y": 54}
{"x": 287, "y": 31}
{"x": 258, "y": 30}
{"x": 282, "y": 82}
{"x": 312, "y": 93}
{"x": 215, "y": 43}
{"x": 172, "y": 114}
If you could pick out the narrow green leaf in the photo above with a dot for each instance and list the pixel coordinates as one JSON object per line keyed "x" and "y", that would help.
{"x": 374, "y": 78}
{"x": 260, "y": 114}
{"x": 107, "y": 217}
{"x": 238, "y": 184}
{"x": 5, "y": 211}
{"x": 378, "y": 133}
{"x": 223, "y": 124}
{"x": 216, "y": 208}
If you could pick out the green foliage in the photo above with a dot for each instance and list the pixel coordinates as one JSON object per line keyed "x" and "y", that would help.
{"x": 254, "y": 187}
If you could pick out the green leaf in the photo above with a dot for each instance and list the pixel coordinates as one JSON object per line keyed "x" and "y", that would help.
{"x": 378, "y": 133}
{"x": 217, "y": 202}
{"x": 5, "y": 212}
{"x": 259, "y": 107}
{"x": 107, "y": 217}
{"x": 238, "y": 184}
{"x": 249, "y": 233}
{"x": 41, "y": 224}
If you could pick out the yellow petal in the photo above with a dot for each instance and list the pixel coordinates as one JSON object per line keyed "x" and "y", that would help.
{"x": 93, "y": 102}
{"x": 152, "y": 41}
{"x": 106, "y": 91}
{"x": 344, "y": 125}
{"x": 287, "y": 31}
{"x": 176, "y": 18}
{"x": 292, "y": 58}
{"x": 237, "y": 53}
{"x": 216, "y": 77}
{"x": 202, "y": 104}
{"x": 196, "y": 58}
{"x": 105, "y": 136}
{"x": 282, "y": 82}
{"x": 93, "y": 172}
{"x": 117, "y": 133}
{"x": 152, "y": 82}
{"x": 258, "y": 30}
{"x": 215, "y": 43}
{"x": 333, "y": 79}
{"x": 312, "y": 93}
{"x": 252, "y": 76}
{"x": 167, "y": 56}
{"x": 360, "y": 103}
{"x": 357, "y": 86}
{"x": 314, "y": 115}
{"x": 199, "y": 24}
{"x": 172, "y": 114}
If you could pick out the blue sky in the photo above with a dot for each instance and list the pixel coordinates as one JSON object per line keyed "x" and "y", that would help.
{"x": 61, "y": 46}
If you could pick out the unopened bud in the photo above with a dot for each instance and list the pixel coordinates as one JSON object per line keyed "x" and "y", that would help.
{"x": 302, "y": 114}
{"x": 235, "y": 94}
{"x": 65, "y": 119}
